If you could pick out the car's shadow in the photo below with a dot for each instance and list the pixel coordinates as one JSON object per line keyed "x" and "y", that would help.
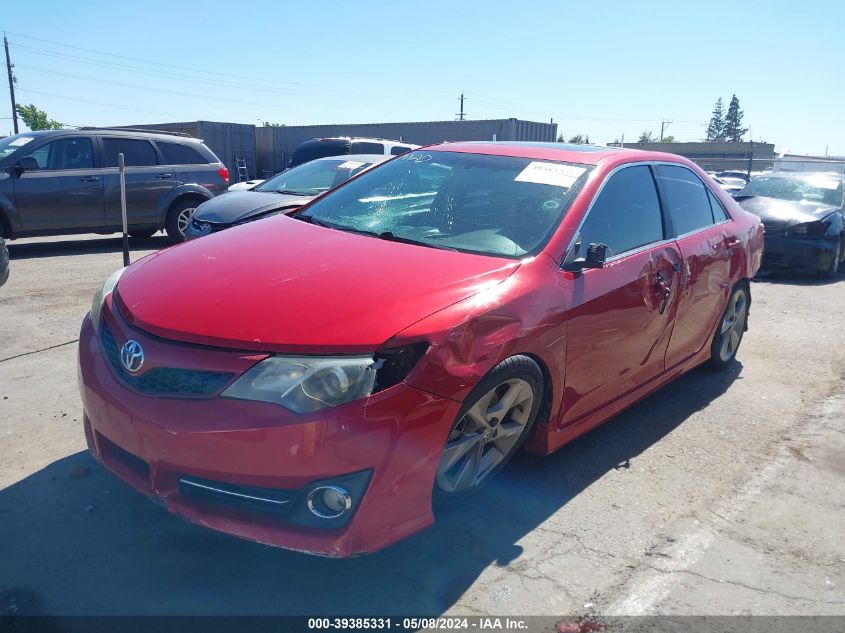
{"x": 798, "y": 278}
{"x": 82, "y": 246}
{"x": 73, "y": 539}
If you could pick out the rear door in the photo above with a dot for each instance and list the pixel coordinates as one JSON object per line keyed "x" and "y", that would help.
{"x": 621, "y": 315}
{"x": 147, "y": 181}
{"x": 65, "y": 192}
{"x": 706, "y": 240}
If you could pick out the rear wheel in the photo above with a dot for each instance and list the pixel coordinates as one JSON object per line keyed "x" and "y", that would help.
{"x": 178, "y": 217}
{"x": 496, "y": 418}
{"x": 731, "y": 328}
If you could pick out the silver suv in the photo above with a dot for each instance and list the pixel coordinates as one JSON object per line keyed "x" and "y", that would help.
{"x": 66, "y": 181}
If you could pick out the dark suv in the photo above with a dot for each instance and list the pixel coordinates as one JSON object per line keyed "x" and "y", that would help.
{"x": 66, "y": 181}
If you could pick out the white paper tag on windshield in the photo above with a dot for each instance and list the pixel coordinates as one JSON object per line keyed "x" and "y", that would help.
{"x": 550, "y": 174}
{"x": 21, "y": 141}
{"x": 350, "y": 164}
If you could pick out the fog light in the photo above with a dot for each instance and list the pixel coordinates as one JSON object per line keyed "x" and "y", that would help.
{"x": 329, "y": 502}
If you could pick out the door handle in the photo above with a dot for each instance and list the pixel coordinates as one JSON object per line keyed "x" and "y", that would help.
{"x": 732, "y": 242}
{"x": 89, "y": 178}
{"x": 663, "y": 285}
{"x": 165, "y": 176}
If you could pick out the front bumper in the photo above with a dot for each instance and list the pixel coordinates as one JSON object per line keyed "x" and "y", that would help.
{"x": 798, "y": 252}
{"x": 152, "y": 442}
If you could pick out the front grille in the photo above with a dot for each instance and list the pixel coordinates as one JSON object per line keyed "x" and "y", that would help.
{"x": 243, "y": 497}
{"x": 164, "y": 381}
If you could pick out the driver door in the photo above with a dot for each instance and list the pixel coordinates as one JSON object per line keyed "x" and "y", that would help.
{"x": 65, "y": 192}
{"x": 620, "y": 318}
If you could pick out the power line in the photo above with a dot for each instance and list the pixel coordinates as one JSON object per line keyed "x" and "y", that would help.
{"x": 146, "y": 61}
{"x": 108, "y": 105}
{"x": 137, "y": 87}
{"x": 154, "y": 73}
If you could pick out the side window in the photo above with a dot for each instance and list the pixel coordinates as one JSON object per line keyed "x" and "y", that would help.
{"x": 178, "y": 154}
{"x": 396, "y": 150}
{"x": 686, "y": 197}
{"x": 362, "y": 147}
{"x": 65, "y": 153}
{"x": 136, "y": 152}
{"x": 626, "y": 215}
{"x": 719, "y": 213}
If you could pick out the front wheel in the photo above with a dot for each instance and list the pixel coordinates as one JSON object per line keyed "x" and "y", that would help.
{"x": 496, "y": 418}
{"x": 731, "y": 328}
{"x": 178, "y": 218}
{"x": 831, "y": 271}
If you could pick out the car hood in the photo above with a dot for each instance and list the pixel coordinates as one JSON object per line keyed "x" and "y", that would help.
{"x": 236, "y": 206}
{"x": 285, "y": 285}
{"x": 785, "y": 213}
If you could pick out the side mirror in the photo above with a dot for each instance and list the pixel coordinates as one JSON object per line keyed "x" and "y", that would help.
{"x": 27, "y": 163}
{"x": 596, "y": 258}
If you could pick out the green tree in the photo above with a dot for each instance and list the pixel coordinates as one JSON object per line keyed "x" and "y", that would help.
{"x": 716, "y": 127}
{"x": 733, "y": 122}
{"x": 268, "y": 124}
{"x": 646, "y": 137}
{"x": 36, "y": 119}
{"x": 578, "y": 139}
{"x": 668, "y": 139}
{"x": 587, "y": 139}
{"x": 560, "y": 138}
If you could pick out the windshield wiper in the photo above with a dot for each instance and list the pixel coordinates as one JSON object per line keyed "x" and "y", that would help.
{"x": 312, "y": 220}
{"x": 391, "y": 237}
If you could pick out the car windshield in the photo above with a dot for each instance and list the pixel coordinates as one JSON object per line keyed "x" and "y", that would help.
{"x": 819, "y": 188}
{"x": 11, "y": 144}
{"x": 315, "y": 177}
{"x": 494, "y": 205}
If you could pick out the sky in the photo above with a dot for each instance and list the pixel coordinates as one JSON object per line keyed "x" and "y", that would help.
{"x": 603, "y": 69}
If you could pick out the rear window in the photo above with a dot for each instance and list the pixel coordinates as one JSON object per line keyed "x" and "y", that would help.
{"x": 310, "y": 150}
{"x": 399, "y": 149}
{"x": 178, "y": 154}
{"x": 136, "y": 152}
{"x": 364, "y": 147}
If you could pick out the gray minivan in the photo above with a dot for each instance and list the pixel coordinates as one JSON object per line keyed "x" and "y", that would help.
{"x": 66, "y": 181}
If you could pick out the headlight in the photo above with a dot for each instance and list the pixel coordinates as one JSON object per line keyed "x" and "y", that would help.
{"x": 304, "y": 384}
{"x": 100, "y": 297}
{"x": 810, "y": 229}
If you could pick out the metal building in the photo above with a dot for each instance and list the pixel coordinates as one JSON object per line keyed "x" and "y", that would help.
{"x": 230, "y": 141}
{"x": 716, "y": 156}
{"x": 274, "y": 145}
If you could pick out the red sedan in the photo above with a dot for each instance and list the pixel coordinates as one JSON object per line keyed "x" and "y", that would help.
{"x": 320, "y": 381}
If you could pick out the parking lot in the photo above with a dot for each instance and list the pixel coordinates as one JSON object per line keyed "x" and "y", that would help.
{"x": 721, "y": 493}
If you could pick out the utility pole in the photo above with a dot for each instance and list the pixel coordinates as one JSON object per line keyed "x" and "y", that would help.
{"x": 663, "y": 126}
{"x": 11, "y": 83}
{"x": 462, "y": 114}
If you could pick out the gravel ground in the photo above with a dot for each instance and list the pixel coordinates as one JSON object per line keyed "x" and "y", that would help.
{"x": 723, "y": 493}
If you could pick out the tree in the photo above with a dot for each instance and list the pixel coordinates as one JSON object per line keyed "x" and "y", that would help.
{"x": 716, "y": 127}
{"x": 578, "y": 139}
{"x": 733, "y": 122}
{"x": 587, "y": 139}
{"x": 268, "y": 124}
{"x": 36, "y": 119}
{"x": 646, "y": 137}
{"x": 560, "y": 138}
{"x": 668, "y": 139}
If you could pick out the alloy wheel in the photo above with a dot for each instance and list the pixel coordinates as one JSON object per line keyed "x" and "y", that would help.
{"x": 733, "y": 325}
{"x": 485, "y": 436}
{"x": 184, "y": 219}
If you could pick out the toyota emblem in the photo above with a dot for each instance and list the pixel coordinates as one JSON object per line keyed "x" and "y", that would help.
{"x": 132, "y": 356}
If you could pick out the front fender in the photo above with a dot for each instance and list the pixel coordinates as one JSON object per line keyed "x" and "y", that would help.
{"x": 9, "y": 216}
{"x": 180, "y": 191}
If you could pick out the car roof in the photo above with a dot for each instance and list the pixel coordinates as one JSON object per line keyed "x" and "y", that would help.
{"x": 364, "y": 158}
{"x": 372, "y": 139}
{"x": 158, "y": 136}
{"x": 565, "y": 152}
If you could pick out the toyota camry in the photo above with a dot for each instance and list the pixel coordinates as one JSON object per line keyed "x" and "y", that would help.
{"x": 327, "y": 379}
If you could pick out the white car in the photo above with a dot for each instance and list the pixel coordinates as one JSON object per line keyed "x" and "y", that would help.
{"x": 246, "y": 184}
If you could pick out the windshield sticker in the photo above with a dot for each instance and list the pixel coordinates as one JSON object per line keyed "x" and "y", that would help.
{"x": 550, "y": 174}
{"x": 350, "y": 164}
{"x": 21, "y": 141}
{"x": 416, "y": 157}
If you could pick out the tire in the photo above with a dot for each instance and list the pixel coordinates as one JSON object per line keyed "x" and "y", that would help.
{"x": 483, "y": 439}
{"x": 833, "y": 269}
{"x": 731, "y": 328}
{"x": 178, "y": 216}
{"x": 142, "y": 234}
